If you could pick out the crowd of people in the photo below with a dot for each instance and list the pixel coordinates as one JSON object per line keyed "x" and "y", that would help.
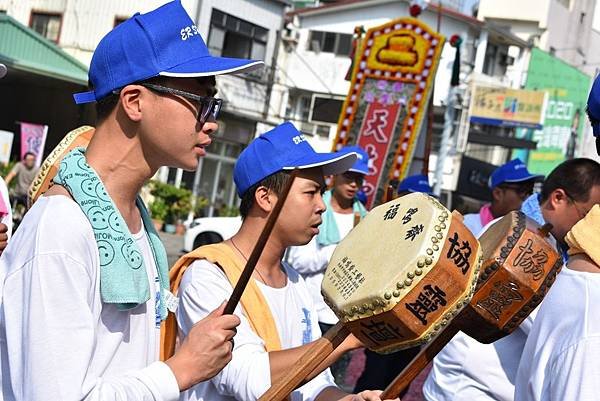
{"x": 90, "y": 309}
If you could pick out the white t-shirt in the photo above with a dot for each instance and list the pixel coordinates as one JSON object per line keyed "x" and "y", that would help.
{"x": 203, "y": 288}
{"x": 58, "y": 340}
{"x": 561, "y": 357}
{"x": 468, "y": 370}
{"x": 311, "y": 260}
{"x": 473, "y": 222}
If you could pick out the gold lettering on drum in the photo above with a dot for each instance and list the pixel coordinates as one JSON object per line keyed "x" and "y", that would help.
{"x": 428, "y": 301}
{"x": 345, "y": 277}
{"x": 531, "y": 262}
{"x": 501, "y": 296}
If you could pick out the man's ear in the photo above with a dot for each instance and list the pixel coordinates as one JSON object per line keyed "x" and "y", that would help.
{"x": 557, "y": 197}
{"x": 265, "y": 199}
{"x": 130, "y": 100}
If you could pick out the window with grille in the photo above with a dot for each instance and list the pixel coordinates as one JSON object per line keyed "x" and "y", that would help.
{"x": 46, "y": 24}
{"x": 230, "y": 36}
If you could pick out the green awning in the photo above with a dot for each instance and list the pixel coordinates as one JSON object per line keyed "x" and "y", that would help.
{"x": 24, "y": 49}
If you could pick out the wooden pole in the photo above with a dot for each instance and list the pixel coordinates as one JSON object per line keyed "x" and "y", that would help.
{"x": 258, "y": 248}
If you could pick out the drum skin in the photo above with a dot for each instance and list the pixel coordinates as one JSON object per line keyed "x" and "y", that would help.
{"x": 402, "y": 273}
{"x": 519, "y": 266}
{"x": 43, "y": 180}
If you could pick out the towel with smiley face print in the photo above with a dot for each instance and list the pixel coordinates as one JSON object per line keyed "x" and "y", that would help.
{"x": 123, "y": 280}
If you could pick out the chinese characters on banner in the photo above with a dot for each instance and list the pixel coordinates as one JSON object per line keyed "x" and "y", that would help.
{"x": 507, "y": 107}
{"x": 390, "y": 88}
{"x": 33, "y": 139}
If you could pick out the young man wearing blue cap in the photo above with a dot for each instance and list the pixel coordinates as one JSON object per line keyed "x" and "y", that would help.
{"x": 343, "y": 212}
{"x": 510, "y": 184}
{"x": 468, "y": 370}
{"x": 277, "y": 312}
{"x": 85, "y": 284}
{"x": 415, "y": 183}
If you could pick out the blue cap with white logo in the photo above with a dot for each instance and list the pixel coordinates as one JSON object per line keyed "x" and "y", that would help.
{"x": 361, "y": 165}
{"x": 415, "y": 183}
{"x": 513, "y": 171}
{"x": 163, "y": 42}
{"x": 284, "y": 148}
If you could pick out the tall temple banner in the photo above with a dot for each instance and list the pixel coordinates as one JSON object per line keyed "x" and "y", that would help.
{"x": 389, "y": 93}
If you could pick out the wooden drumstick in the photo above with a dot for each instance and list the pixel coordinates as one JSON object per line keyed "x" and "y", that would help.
{"x": 309, "y": 361}
{"x": 258, "y": 248}
{"x": 426, "y": 355}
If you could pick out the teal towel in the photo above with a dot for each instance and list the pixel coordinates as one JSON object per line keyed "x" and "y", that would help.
{"x": 123, "y": 278}
{"x": 328, "y": 230}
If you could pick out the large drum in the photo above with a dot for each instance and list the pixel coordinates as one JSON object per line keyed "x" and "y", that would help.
{"x": 43, "y": 180}
{"x": 396, "y": 280}
{"x": 520, "y": 263}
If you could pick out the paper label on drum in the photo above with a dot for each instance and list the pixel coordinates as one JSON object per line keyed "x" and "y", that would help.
{"x": 346, "y": 277}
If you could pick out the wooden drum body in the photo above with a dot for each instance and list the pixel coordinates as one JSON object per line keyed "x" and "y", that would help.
{"x": 520, "y": 262}
{"x": 403, "y": 273}
{"x": 43, "y": 180}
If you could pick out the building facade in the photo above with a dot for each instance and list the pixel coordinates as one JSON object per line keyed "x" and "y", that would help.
{"x": 233, "y": 28}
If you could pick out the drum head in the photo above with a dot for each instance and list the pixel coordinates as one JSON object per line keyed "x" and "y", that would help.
{"x": 409, "y": 262}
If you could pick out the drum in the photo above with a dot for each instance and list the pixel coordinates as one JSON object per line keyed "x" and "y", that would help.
{"x": 520, "y": 263}
{"x": 398, "y": 278}
{"x": 43, "y": 180}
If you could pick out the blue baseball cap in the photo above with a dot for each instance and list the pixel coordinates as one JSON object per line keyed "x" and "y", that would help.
{"x": 593, "y": 106}
{"x": 416, "y": 183}
{"x": 361, "y": 165}
{"x": 284, "y": 148}
{"x": 163, "y": 42}
{"x": 513, "y": 171}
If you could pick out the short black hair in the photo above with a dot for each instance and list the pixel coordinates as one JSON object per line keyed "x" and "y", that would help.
{"x": 29, "y": 153}
{"x": 275, "y": 182}
{"x": 576, "y": 177}
{"x": 107, "y": 104}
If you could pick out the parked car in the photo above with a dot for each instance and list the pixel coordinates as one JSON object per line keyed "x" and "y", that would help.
{"x": 209, "y": 230}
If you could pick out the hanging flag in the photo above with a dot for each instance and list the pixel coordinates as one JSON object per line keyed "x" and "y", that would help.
{"x": 33, "y": 139}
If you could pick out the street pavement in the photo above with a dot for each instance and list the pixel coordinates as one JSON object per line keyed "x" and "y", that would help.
{"x": 174, "y": 246}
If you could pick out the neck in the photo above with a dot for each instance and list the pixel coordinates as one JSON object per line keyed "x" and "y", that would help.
{"x": 117, "y": 158}
{"x": 581, "y": 262}
{"x": 341, "y": 204}
{"x": 268, "y": 266}
{"x": 495, "y": 210}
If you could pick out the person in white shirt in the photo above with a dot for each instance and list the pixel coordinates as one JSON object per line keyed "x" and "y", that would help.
{"x": 84, "y": 280}
{"x": 468, "y": 370}
{"x": 344, "y": 210}
{"x": 260, "y": 174}
{"x": 560, "y": 358}
{"x": 510, "y": 185}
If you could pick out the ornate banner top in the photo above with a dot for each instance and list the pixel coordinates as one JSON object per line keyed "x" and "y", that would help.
{"x": 389, "y": 92}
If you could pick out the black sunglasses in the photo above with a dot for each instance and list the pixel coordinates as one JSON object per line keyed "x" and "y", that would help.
{"x": 209, "y": 106}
